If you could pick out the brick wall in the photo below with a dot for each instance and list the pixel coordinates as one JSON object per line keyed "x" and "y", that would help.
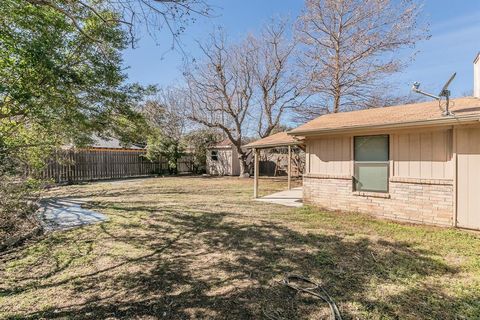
{"x": 412, "y": 200}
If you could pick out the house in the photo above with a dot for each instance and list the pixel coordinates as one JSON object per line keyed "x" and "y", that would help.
{"x": 222, "y": 159}
{"x": 111, "y": 143}
{"x": 105, "y": 143}
{"x": 407, "y": 162}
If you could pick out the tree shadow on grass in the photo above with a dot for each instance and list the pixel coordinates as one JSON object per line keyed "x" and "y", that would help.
{"x": 206, "y": 265}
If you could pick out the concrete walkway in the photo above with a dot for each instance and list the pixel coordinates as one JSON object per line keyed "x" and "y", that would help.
{"x": 61, "y": 214}
{"x": 290, "y": 198}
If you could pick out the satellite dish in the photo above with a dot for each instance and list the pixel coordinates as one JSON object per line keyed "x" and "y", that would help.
{"x": 443, "y": 93}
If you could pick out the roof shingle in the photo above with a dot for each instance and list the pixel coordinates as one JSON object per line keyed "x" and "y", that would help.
{"x": 275, "y": 140}
{"x": 401, "y": 114}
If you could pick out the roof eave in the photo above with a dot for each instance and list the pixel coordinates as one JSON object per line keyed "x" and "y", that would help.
{"x": 273, "y": 145}
{"x": 220, "y": 147}
{"x": 432, "y": 122}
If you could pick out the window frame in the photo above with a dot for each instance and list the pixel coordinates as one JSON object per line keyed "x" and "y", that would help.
{"x": 382, "y": 163}
{"x": 214, "y": 155}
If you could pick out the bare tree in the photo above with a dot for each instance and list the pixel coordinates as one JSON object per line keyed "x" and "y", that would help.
{"x": 278, "y": 86}
{"x": 221, "y": 90}
{"x": 247, "y": 86}
{"x": 350, "y": 46}
{"x": 151, "y": 15}
{"x": 166, "y": 112}
{"x": 167, "y": 126}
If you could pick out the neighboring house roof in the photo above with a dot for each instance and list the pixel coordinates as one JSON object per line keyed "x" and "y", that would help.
{"x": 408, "y": 115}
{"x": 275, "y": 140}
{"x": 110, "y": 143}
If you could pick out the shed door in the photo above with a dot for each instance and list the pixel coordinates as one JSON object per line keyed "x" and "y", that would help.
{"x": 468, "y": 180}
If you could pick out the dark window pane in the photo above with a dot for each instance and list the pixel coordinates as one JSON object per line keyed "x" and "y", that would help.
{"x": 214, "y": 155}
{"x": 371, "y": 148}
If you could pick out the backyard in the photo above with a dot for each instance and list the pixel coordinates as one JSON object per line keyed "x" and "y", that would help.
{"x": 196, "y": 248}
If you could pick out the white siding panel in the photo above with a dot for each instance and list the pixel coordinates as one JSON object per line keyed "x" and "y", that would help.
{"x": 329, "y": 155}
{"x": 468, "y": 184}
{"x": 423, "y": 155}
{"x": 221, "y": 167}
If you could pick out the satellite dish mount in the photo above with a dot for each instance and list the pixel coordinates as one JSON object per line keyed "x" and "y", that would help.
{"x": 445, "y": 93}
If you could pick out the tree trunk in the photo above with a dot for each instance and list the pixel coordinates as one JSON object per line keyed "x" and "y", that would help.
{"x": 336, "y": 103}
{"x": 243, "y": 168}
{"x": 242, "y": 159}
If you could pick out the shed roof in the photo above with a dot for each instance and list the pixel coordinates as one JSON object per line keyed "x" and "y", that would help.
{"x": 415, "y": 114}
{"x": 275, "y": 140}
{"x": 224, "y": 144}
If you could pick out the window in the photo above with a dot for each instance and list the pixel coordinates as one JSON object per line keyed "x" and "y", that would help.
{"x": 214, "y": 155}
{"x": 371, "y": 163}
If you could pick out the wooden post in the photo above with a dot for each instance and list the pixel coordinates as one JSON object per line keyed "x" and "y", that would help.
{"x": 255, "y": 172}
{"x": 289, "y": 168}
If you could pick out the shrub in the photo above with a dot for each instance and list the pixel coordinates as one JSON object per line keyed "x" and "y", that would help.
{"x": 18, "y": 204}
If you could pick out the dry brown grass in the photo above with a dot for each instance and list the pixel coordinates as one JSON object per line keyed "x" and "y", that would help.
{"x": 196, "y": 248}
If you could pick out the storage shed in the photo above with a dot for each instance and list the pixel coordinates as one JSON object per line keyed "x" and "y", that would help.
{"x": 222, "y": 159}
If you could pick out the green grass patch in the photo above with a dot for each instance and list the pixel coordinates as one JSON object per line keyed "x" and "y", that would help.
{"x": 180, "y": 248}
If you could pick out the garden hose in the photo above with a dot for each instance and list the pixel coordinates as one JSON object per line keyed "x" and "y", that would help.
{"x": 315, "y": 290}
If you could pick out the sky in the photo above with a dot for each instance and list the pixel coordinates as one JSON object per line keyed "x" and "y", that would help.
{"x": 454, "y": 42}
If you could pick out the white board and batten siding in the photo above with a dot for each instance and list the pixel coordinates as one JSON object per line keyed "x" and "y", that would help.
{"x": 223, "y": 165}
{"x": 438, "y": 154}
{"x": 329, "y": 156}
{"x": 227, "y": 164}
{"x": 416, "y": 155}
{"x": 468, "y": 177}
{"x": 423, "y": 154}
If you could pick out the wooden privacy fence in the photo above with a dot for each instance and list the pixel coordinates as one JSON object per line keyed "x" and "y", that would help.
{"x": 99, "y": 164}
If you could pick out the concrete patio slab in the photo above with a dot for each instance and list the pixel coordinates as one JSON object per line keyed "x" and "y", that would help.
{"x": 290, "y": 198}
{"x": 62, "y": 214}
